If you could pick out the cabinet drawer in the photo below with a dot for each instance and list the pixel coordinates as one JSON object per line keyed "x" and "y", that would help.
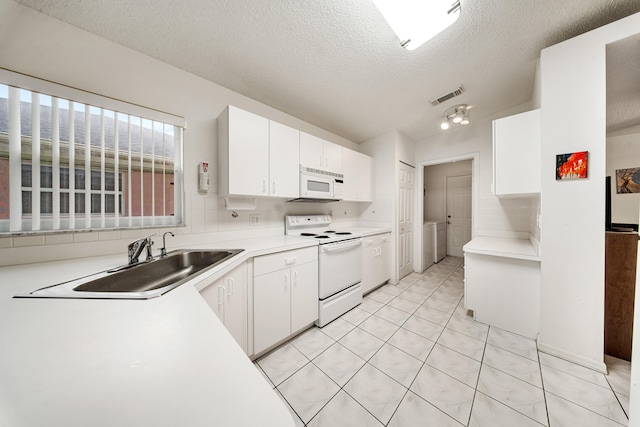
{"x": 274, "y": 262}
{"x": 376, "y": 240}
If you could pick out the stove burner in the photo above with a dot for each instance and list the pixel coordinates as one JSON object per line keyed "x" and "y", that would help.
{"x": 343, "y": 233}
{"x": 322, "y": 237}
{"x": 308, "y": 234}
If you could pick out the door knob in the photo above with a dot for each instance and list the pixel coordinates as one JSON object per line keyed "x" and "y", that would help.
{"x": 448, "y": 222}
{"x": 448, "y": 216}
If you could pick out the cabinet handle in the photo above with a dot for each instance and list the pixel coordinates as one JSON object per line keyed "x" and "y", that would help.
{"x": 326, "y": 163}
{"x": 264, "y": 186}
{"x": 295, "y": 279}
{"x": 290, "y": 261}
{"x": 232, "y": 286}
{"x": 286, "y": 282}
{"x": 273, "y": 187}
{"x": 320, "y": 161}
{"x": 221, "y": 292}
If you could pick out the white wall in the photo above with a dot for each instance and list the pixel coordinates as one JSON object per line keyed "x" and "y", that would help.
{"x": 35, "y": 44}
{"x": 573, "y": 90}
{"x": 623, "y": 152}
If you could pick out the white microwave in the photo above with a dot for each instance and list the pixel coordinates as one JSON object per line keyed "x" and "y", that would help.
{"x": 319, "y": 186}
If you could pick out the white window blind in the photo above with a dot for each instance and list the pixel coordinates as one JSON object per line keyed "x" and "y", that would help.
{"x": 67, "y": 164}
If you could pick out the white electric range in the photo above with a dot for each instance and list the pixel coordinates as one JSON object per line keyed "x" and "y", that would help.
{"x": 339, "y": 264}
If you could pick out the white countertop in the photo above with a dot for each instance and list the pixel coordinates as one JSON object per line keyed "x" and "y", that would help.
{"x": 502, "y": 247}
{"x": 166, "y": 361}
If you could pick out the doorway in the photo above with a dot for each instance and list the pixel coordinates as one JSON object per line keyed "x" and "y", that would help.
{"x": 432, "y": 206}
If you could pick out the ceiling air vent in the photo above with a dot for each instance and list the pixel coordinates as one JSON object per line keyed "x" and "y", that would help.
{"x": 447, "y": 96}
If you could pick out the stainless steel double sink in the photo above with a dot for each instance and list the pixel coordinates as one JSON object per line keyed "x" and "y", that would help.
{"x": 142, "y": 280}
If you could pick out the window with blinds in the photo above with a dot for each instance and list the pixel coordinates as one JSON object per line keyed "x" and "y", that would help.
{"x": 71, "y": 165}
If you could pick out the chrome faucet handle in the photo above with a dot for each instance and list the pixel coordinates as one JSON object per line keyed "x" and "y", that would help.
{"x": 135, "y": 248}
{"x": 163, "y": 249}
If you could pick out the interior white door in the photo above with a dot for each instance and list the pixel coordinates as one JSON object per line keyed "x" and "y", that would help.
{"x": 458, "y": 196}
{"x": 405, "y": 219}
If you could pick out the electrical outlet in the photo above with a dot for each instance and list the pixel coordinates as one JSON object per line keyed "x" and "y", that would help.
{"x": 254, "y": 220}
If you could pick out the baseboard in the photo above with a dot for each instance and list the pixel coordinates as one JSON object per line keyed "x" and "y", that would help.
{"x": 596, "y": 365}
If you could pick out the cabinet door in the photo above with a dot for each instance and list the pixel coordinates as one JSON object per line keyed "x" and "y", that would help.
{"x": 350, "y": 162}
{"x": 332, "y": 157}
{"x": 248, "y": 153}
{"x": 383, "y": 260}
{"x": 271, "y": 308}
{"x": 365, "y": 172}
{"x": 284, "y": 160}
{"x": 304, "y": 295}
{"x": 311, "y": 151}
{"x": 516, "y": 154}
{"x": 214, "y": 295}
{"x": 235, "y": 305}
{"x": 368, "y": 264}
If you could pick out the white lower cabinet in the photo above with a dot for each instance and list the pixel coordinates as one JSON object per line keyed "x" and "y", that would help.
{"x": 285, "y": 295}
{"x": 376, "y": 261}
{"x": 228, "y": 299}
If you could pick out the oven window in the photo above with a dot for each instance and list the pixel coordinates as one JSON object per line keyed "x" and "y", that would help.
{"x": 318, "y": 186}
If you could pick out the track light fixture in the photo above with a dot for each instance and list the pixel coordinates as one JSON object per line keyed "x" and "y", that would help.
{"x": 458, "y": 115}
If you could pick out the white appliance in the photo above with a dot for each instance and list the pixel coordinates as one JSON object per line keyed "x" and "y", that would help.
{"x": 428, "y": 244}
{"x": 441, "y": 240}
{"x": 319, "y": 186}
{"x": 339, "y": 264}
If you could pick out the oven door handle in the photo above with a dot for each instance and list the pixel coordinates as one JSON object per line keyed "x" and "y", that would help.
{"x": 340, "y": 246}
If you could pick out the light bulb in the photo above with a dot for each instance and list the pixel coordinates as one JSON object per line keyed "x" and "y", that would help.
{"x": 444, "y": 125}
{"x": 464, "y": 121}
{"x": 457, "y": 118}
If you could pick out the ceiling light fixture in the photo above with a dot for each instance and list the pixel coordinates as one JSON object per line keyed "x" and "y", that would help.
{"x": 416, "y": 21}
{"x": 457, "y": 115}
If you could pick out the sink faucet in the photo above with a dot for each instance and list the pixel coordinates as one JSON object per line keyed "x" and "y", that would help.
{"x": 136, "y": 247}
{"x": 163, "y": 249}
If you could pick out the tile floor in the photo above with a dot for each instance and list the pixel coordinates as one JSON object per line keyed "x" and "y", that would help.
{"x": 410, "y": 355}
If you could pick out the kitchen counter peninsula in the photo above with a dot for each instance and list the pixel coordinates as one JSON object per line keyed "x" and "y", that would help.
{"x": 165, "y": 361}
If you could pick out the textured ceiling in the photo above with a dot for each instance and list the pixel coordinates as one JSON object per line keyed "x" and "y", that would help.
{"x": 336, "y": 63}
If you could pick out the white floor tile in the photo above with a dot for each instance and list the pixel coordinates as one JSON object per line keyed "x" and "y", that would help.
{"x": 417, "y": 412}
{"x": 444, "y": 392}
{"x": 514, "y": 343}
{"x": 397, "y": 364}
{"x": 573, "y": 369}
{"x": 377, "y": 392}
{"x": 380, "y": 296}
{"x": 312, "y": 342}
{"x": 379, "y": 327}
{"x": 598, "y": 399}
{"x": 469, "y": 327}
{"x": 517, "y": 394}
{"x": 308, "y": 390}
{"x": 564, "y": 413}
{"x": 445, "y": 306}
{"x": 513, "y": 364}
{"x": 620, "y": 381}
{"x": 431, "y": 314}
{"x": 462, "y": 343}
{"x": 338, "y": 328}
{"x": 369, "y": 305}
{"x": 391, "y": 289}
{"x": 339, "y": 363}
{"x": 619, "y": 364}
{"x": 356, "y": 316}
{"x": 404, "y": 305}
{"x": 488, "y": 412}
{"x": 362, "y": 343}
{"x": 393, "y": 315}
{"x": 412, "y": 343}
{"x": 454, "y": 364}
{"x": 423, "y": 327}
{"x": 281, "y": 363}
{"x": 344, "y": 411}
{"x": 413, "y": 296}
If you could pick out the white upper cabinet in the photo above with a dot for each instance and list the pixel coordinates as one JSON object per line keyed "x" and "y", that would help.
{"x": 516, "y": 154}
{"x": 320, "y": 154}
{"x": 243, "y": 153}
{"x": 357, "y": 176}
{"x": 284, "y": 159}
{"x": 256, "y": 156}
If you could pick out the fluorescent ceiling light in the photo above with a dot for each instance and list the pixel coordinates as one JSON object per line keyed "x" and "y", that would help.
{"x": 416, "y": 21}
